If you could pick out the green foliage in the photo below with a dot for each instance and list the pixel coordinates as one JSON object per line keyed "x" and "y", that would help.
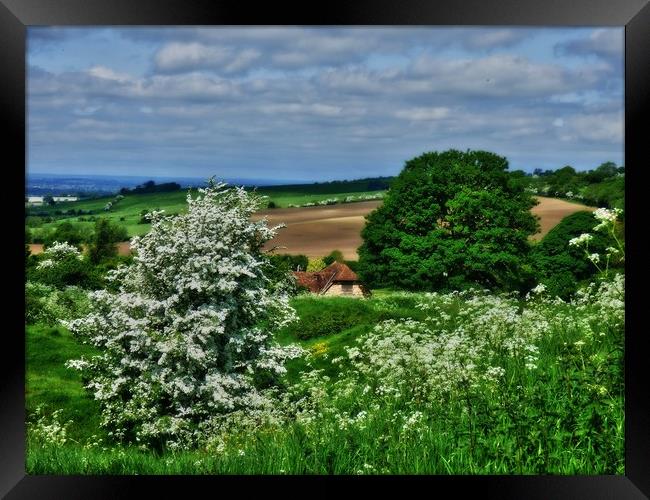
{"x": 333, "y": 256}
{"x": 322, "y": 317}
{"x": 564, "y": 417}
{"x": 48, "y": 305}
{"x": 271, "y": 204}
{"x": 33, "y": 221}
{"x": 560, "y": 266}
{"x": 316, "y": 265}
{"x": 607, "y": 193}
{"x": 280, "y": 266}
{"x": 67, "y": 232}
{"x": 451, "y": 220}
{"x": 102, "y": 246}
{"x": 71, "y": 271}
{"x": 602, "y": 187}
{"x": 352, "y": 264}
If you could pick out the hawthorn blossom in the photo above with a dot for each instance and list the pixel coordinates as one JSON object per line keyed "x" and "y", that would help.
{"x": 188, "y": 333}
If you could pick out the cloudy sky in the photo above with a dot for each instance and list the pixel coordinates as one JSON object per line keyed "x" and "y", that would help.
{"x": 318, "y": 103}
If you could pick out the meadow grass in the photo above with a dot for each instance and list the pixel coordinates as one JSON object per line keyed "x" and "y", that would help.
{"x": 564, "y": 417}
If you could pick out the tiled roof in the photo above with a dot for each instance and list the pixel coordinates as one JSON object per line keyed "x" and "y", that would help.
{"x": 321, "y": 280}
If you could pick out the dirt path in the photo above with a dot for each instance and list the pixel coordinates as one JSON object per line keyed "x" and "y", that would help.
{"x": 316, "y": 231}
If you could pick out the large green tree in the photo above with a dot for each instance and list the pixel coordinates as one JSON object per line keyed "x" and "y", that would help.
{"x": 451, "y": 220}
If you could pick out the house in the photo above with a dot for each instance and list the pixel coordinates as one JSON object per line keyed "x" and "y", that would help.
{"x": 335, "y": 279}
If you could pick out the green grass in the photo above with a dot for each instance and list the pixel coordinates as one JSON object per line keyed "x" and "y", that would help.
{"x": 329, "y": 324}
{"x": 127, "y": 211}
{"x": 542, "y": 422}
{"x": 49, "y": 383}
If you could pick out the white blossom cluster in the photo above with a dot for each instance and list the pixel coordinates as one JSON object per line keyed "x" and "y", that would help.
{"x": 607, "y": 224}
{"x": 48, "y": 429}
{"x": 469, "y": 343}
{"x": 462, "y": 353}
{"x": 187, "y": 335}
{"x": 581, "y": 240}
{"x": 56, "y": 305}
{"x": 606, "y": 217}
{"x": 58, "y": 252}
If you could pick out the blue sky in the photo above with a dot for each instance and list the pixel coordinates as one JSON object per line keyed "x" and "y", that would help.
{"x": 318, "y": 103}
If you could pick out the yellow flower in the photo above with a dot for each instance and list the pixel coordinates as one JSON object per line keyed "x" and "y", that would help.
{"x": 319, "y": 348}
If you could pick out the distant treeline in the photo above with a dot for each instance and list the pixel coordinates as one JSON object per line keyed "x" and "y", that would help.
{"x": 152, "y": 187}
{"x": 336, "y": 187}
{"x": 603, "y": 186}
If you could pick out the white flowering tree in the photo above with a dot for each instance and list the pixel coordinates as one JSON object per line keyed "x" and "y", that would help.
{"x": 187, "y": 335}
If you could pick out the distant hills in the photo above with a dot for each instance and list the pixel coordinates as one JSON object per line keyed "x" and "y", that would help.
{"x": 101, "y": 185}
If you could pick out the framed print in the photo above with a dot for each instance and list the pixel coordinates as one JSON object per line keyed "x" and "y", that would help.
{"x": 378, "y": 241}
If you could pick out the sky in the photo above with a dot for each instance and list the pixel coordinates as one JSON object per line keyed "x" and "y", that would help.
{"x": 318, "y": 103}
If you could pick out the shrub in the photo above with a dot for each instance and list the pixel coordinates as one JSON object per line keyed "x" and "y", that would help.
{"x": 61, "y": 265}
{"x": 49, "y": 305}
{"x": 102, "y": 244}
{"x": 560, "y": 266}
{"x": 67, "y": 232}
{"x": 186, "y": 336}
{"x": 271, "y": 204}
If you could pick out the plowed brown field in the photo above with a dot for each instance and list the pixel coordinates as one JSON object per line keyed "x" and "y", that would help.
{"x": 316, "y": 231}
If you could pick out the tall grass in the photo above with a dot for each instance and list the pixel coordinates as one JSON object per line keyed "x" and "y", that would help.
{"x": 554, "y": 407}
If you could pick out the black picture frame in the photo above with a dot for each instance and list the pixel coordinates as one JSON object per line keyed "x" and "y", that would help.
{"x": 16, "y": 15}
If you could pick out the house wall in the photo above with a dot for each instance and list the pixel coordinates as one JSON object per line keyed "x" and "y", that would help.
{"x": 344, "y": 290}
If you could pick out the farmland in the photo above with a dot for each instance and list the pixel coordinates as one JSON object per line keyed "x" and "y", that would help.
{"x": 127, "y": 212}
{"x": 312, "y": 231}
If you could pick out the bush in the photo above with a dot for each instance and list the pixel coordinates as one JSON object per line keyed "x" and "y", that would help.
{"x": 36, "y": 310}
{"x": 271, "y": 204}
{"x": 33, "y": 221}
{"x": 326, "y": 316}
{"x": 560, "y": 266}
{"x": 48, "y": 305}
{"x": 319, "y": 318}
{"x": 66, "y": 231}
{"x": 62, "y": 265}
{"x": 106, "y": 235}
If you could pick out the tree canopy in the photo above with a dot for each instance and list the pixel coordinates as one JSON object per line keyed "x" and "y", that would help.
{"x": 451, "y": 220}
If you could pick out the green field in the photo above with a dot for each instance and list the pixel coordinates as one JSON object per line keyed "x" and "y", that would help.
{"x": 563, "y": 417}
{"x": 127, "y": 211}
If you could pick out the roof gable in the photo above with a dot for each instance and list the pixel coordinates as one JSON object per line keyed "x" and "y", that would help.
{"x": 320, "y": 281}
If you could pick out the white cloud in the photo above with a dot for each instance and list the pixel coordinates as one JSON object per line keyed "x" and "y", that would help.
{"x": 601, "y": 127}
{"x": 176, "y": 57}
{"x": 108, "y": 74}
{"x": 423, "y": 114}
